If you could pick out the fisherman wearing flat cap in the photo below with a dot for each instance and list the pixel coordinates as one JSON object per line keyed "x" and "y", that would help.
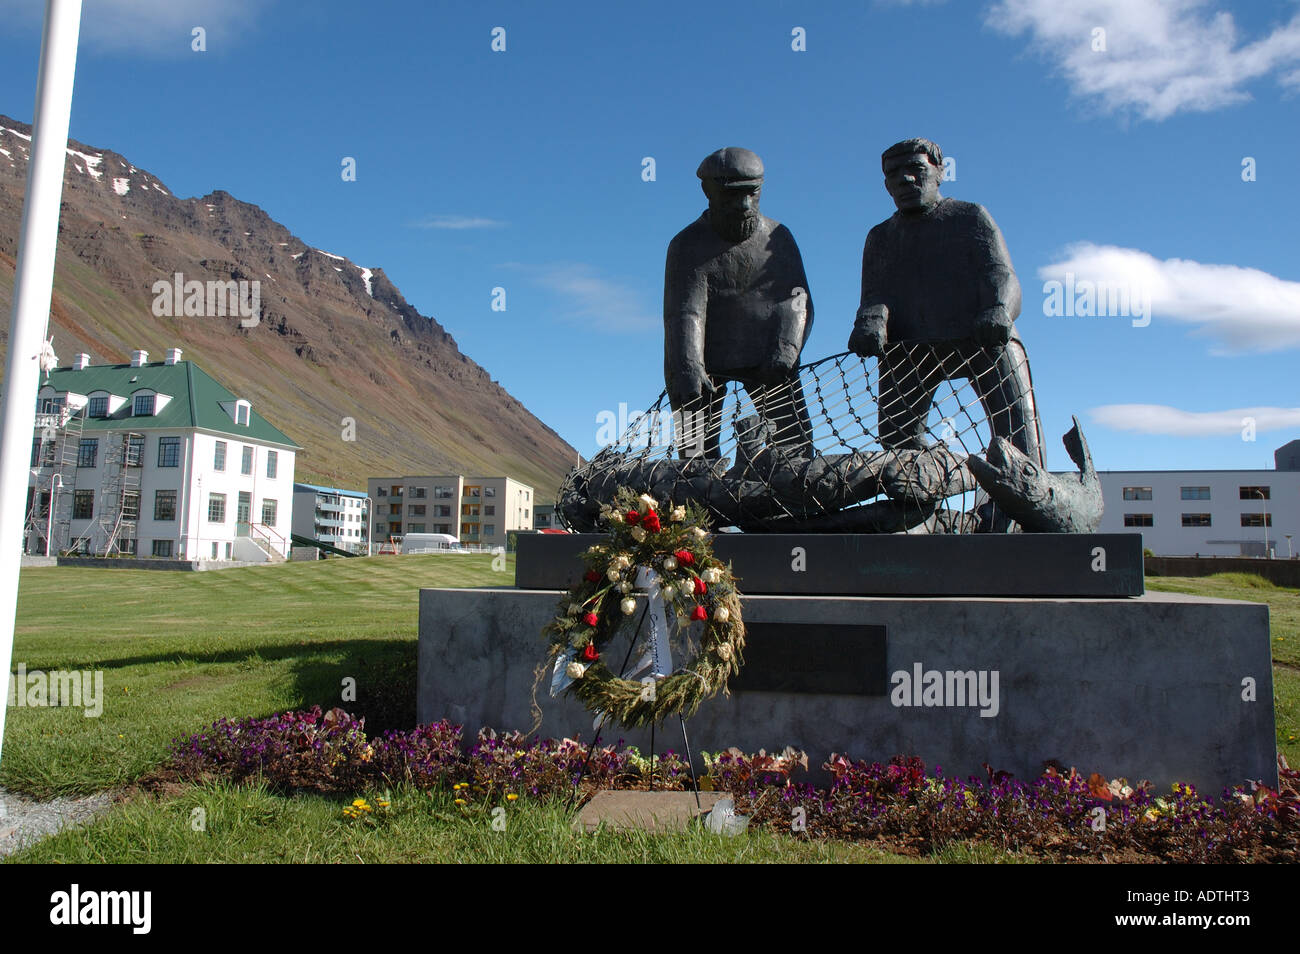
{"x": 736, "y": 308}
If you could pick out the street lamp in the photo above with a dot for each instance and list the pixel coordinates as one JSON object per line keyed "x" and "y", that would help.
{"x": 1263, "y": 502}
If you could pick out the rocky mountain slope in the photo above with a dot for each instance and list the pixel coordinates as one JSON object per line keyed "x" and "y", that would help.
{"x": 338, "y": 359}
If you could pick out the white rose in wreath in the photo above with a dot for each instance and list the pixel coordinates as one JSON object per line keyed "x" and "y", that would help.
{"x": 575, "y": 670}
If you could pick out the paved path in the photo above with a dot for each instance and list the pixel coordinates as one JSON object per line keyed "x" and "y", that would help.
{"x": 24, "y": 822}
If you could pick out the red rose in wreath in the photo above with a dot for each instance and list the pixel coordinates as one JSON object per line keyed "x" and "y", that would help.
{"x": 632, "y": 517}
{"x": 699, "y": 613}
{"x": 700, "y": 588}
{"x": 685, "y": 557}
{"x": 589, "y": 653}
{"x": 591, "y": 619}
{"x": 591, "y": 576}
{"x": 651, "y": 522}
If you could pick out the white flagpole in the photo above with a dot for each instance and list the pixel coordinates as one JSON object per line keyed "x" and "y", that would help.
{"x": 33, "y": 285}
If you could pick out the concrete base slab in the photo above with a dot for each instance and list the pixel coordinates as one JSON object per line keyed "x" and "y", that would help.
{"x": 1165, "y": 686}
{"x": 646, "y": 811}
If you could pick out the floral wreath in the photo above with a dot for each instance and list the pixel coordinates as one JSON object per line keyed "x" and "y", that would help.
{"x": 694, "y": 586}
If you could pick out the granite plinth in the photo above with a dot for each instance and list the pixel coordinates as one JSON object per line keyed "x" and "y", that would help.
{"x": 1165, "y": 686}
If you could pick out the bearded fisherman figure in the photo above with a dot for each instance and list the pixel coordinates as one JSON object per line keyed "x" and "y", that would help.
{"x": 736, "y": 308}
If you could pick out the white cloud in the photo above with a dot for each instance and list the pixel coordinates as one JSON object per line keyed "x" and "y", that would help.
{"x": 153, "y": 28}
{"x": 1162, "y": 419}
{"x": 1246, "y": 309}
{"x": 458, "y": 222}
{"x": 1161, "y": 57}
{"x": 598, "y": 304}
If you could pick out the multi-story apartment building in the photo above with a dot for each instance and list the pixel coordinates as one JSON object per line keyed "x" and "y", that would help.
{"x": 472, "y": 509}
{"x": 1208, "y": 512}
{"x": 340, "y": 518}
{"x": 156, "y": 459}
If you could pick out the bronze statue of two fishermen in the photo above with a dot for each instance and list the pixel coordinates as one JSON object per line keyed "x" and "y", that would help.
{"x": 939, "y": 302}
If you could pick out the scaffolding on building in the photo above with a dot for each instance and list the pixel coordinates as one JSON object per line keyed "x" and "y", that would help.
{"x": 112, "y": 532}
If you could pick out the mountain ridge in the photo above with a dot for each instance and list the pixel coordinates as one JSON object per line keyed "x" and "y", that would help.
{"x": 337, "y": 352}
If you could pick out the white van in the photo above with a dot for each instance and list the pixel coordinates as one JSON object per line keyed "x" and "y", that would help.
{"x": 429, "y": 542}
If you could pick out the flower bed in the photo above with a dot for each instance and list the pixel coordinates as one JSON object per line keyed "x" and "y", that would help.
{"x": 1061, "y": 815}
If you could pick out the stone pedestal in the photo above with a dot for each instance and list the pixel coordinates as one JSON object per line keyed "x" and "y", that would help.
{"x": 1147, "y": 687}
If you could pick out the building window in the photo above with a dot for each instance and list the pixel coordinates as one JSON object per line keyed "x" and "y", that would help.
{"x": 131, "y": 505}
{"x": 415, "y": 528}
{"x": 88, "y": 452}
{"x": 1196, "y": 493}
{"x": 241, "y": 414}
{"x": 489, "y": 491}
{"x": 1254, "y": 493}
{"x": 381, "y": 492}
{"x": 442, "y": 528}
{"x": 219, "y": 456}
{"x": 169, "y": 451}
{"x": 269, "y": 508}
{"x": 144, "y": 405}
{"x": 394, "y": 529}
{"x": 395, "y": 491}
{"x": 442, "y": 493}
{"x": 98, "y": 407}
{"x": 272, "y": 464}
{"x": 216, "y": 509}
{"x": 489, "y": 529}
{"x": 135, "y": 450}
{"x": 1137, "y": 493}
{"x": 162, "y": 548}
{"x": 489, "y": 510}
{"x": 227, "y": 551}
{"x": 1247, "y": 519}
{"x": 214, "y": 549}
{"x": 83, "y": 505}
{"x": 246, "y": 464}
{"x": 419, "y": 492}
{"x": 417, "y": 510}
{"x": 1139, "y": 520}
{"x": 1196, "y": 519}
{"x": 164, "y": 505}
{"x": 394, "y": 508}
{"x": 442, "y": 510}
{"x": 126, "y": 547}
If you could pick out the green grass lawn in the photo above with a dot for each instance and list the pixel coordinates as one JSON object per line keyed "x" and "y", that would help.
{"x": 181, "y": 650}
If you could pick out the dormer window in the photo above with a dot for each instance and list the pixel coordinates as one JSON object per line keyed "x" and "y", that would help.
{"x": 243, "y": 412}
{"x": 98, "y": 406}
{"x": 144, "y": 405}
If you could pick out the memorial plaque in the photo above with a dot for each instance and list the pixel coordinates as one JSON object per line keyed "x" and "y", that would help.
{"x": 846, "y": 660}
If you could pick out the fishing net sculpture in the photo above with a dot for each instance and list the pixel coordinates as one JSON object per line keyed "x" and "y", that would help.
{"x": 849, "y": 445}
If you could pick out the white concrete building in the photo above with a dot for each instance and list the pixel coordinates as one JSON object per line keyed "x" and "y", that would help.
{"x": 340, "y": 518}
{"x": 156, "y": 460}
{"x": 473, "y": 509}
{"x": 1208, "y": 512}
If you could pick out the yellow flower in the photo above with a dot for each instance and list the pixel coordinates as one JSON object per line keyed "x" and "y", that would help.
{"x": 460, "y": 801}
{"x": 511, "y": 797}
{"x": 1152, "y": 814}
{"x": 359, "y": 802}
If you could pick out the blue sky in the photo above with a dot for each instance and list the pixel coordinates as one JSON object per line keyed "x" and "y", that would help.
{"x": 523, "y": 169}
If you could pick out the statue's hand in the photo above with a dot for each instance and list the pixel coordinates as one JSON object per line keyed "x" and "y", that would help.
{"x": 777, "y": 367}
{"x": 689, "y": 385}
{"x": 993, "y": 329}
{"x": 868, "y": 339}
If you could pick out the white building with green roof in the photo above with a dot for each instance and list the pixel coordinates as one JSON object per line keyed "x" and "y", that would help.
{"x": 156, "y": 459}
